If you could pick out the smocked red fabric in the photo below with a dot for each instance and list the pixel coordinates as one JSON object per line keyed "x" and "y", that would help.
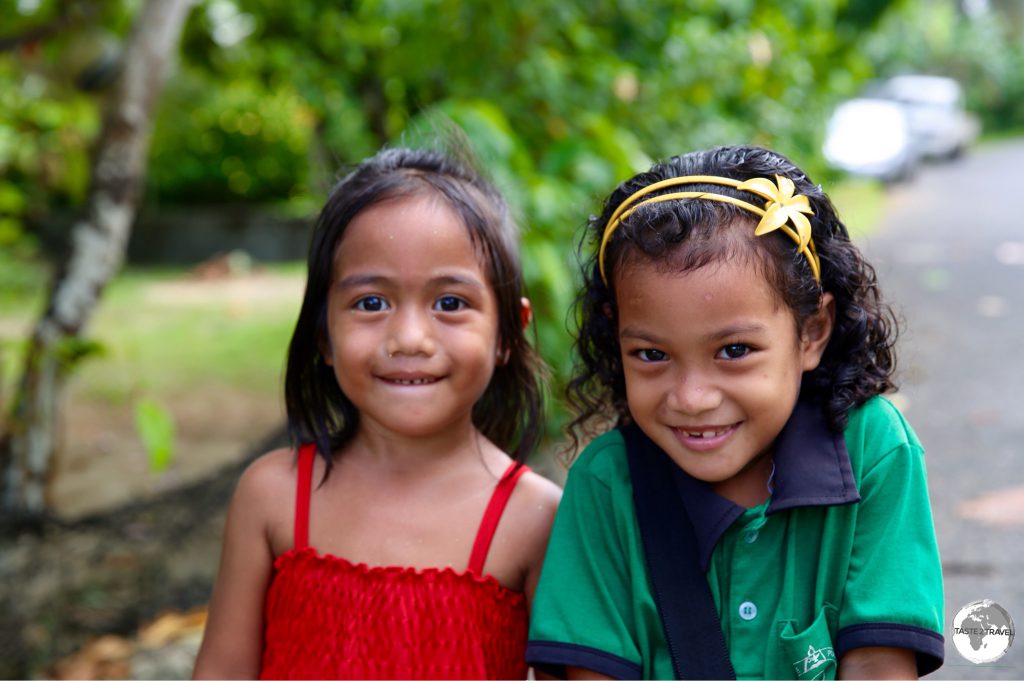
{"x": 328, "y": 618}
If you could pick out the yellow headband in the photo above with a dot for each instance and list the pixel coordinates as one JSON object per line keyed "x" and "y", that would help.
{"x": 781, "y": 210}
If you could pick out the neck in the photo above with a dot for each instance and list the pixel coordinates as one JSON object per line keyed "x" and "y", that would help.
{"x": 403, "y": 454}
{"x": 752, "y": 485}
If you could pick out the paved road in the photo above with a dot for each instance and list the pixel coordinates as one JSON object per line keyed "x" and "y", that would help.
{"x": 950, "y": 256}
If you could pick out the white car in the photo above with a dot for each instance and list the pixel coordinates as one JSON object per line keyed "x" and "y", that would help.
{"x": 870, "y": 137}
{"x": 939, "y": 123}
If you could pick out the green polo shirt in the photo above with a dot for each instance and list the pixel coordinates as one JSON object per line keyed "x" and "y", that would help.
{"x": 842, "y": 556}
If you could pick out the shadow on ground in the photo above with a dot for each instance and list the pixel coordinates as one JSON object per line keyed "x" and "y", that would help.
{"x": 66, "y": 583}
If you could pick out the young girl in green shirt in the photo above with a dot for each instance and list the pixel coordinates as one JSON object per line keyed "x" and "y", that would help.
{"x": 735, "y": 345}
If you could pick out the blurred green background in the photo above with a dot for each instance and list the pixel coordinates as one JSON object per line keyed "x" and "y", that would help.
{"x": 178, "y": 374}
{"x": 270, "y": 102}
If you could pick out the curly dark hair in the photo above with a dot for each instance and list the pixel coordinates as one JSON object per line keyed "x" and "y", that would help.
{"x": 510, "y": 412}
{"x": 684, "y": 235}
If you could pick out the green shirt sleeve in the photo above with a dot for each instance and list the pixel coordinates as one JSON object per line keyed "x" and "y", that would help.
{"x": 893, "y": 594}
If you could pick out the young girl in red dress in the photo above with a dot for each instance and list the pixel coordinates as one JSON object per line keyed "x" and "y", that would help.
{"x": 400, "y": 540}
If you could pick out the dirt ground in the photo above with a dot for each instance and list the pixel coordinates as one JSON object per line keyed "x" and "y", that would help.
{"x": 107, "y": 465}
{"x": 119, "y": 593}
{"x": 114, "y": 584}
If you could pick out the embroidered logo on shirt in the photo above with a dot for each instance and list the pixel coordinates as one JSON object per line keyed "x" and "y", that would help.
{"x": 816, "y": 657}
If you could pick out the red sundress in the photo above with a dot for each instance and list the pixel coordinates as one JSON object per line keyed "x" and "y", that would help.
{"x": 327, "y": 618}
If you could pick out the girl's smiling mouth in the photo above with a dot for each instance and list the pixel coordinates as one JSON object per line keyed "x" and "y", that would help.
{"x": 704, "y": 438}
{"x": 410, "y": 379}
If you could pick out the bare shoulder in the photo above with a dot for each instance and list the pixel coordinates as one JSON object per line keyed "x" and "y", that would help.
{"x": 534, "y": 488}
{"x": 265, "y": 495}
{"x": 533, "y": 505}
{"x": 268, "y": 476}
{"x": 534, "y": 499}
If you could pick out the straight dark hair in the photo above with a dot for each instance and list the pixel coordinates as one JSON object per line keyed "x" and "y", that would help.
{"x": 510, "y": 411}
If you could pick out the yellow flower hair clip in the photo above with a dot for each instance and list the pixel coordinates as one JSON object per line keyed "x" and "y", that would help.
{"x": 782, "y": 210}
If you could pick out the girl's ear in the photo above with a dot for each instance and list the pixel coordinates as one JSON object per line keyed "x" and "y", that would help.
{"x": 817, "y": 331}
{"x": 324, "y": 346}
{"x": 525, "y": 317}
{"x": 525, "y": 312}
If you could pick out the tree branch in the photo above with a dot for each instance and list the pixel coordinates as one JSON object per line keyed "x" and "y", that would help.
{"x": 98, "y": 243}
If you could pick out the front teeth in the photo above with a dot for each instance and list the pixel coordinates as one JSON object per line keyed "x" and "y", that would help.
{"x": 414, "y": 381}
{"x": 705, "y": 433}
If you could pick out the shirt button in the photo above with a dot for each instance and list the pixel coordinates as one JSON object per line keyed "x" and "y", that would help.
{"x": 748, "y": 610}
{"x": 750, "y": 537}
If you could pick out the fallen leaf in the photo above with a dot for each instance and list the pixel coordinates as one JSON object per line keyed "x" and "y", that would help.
{"x": 107, "y": 657}
{"x": 171, "y": 626}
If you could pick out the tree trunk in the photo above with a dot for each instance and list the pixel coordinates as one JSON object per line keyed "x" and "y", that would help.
{"x": 97, "y": 247}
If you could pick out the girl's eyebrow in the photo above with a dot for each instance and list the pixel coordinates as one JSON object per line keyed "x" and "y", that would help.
{"x": 361, "y": 280}
{"x": 739, "y": 329}
{"x": 634, "y": 333}
{"x": 378, "y": 280}
{"x": 458, "y": 279}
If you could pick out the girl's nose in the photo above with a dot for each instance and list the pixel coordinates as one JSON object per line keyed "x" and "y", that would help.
{"x": 693, "y": 394}
{"x": 411, "y": 333}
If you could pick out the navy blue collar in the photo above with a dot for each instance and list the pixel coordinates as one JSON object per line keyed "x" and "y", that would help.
{"x": 812, "y": 468}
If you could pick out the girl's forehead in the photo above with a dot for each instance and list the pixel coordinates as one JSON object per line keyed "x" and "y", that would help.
{"x": 737, "y": 281}
{"x": 407, "y": 235}
{"x": 395, "y": 222}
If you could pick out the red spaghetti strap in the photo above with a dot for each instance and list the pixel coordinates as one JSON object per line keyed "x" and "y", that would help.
{"x": 303, "y": 483}
{"x": 489, "y": 523}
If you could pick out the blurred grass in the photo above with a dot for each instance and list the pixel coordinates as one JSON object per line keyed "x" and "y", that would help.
{"x": 162, "y": 336}
{"x": 160, "y": 345}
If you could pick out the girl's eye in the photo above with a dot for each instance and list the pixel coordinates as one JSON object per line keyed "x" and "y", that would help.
{"x": 651, "y": 355}
{"x": 449, "y": 304}
{"x": 371, "y": 304}
{"x": 734, "y": 351}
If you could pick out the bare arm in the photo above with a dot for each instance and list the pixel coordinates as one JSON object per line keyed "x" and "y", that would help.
{"x": 544, "y": 498}
{"x": 878, "y": 663}
{"x": 233, "y": 641}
